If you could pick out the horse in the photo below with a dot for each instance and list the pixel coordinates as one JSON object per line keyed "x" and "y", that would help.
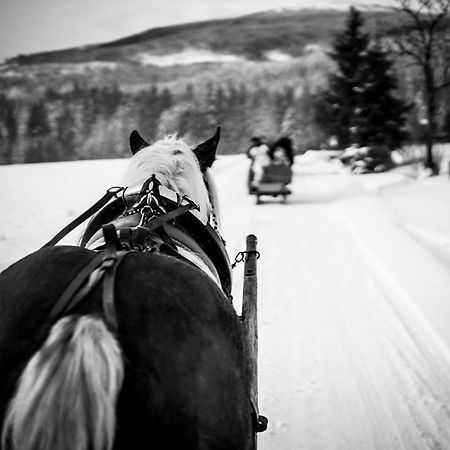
{"x": 130, "y": 339}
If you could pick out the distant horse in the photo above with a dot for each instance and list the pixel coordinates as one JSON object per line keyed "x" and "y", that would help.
{"x": 131, "y": 342}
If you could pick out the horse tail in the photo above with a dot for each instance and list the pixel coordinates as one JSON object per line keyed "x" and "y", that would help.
{"x": 67, "y": 394}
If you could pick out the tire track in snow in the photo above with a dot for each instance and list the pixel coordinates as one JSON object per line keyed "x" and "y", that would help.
{"x": 418, "y": 360}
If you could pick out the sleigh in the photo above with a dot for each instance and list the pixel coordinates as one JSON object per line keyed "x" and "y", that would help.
{"x": 274, "y": 183}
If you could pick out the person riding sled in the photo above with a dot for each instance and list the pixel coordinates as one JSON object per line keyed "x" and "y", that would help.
{"x": 281, "y": 152}
{"x": 259, "y": 154}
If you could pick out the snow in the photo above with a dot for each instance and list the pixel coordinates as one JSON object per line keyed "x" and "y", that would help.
{"x": 278, "y": 56}
{"x": 196, "y": 56}
{"x": 187, "y": 56}
{"x": 354, "y": 289}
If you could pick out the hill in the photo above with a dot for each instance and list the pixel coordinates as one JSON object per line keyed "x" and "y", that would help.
{"x": 251, "y": 37}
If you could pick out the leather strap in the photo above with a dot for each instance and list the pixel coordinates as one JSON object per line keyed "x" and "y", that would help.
{"x": 167, "y": 217}
{"x": 110, "y": 193}
{"x": 105, "y": 266}
{"x": 109, "y": 279}
{"x": 71, "y": 296}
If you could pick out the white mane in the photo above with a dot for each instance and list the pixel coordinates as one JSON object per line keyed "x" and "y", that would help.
{"x": 214, "y": 200}
{"x": 176, "y": 167}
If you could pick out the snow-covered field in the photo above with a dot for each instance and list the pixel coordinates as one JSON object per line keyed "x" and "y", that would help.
{"x": 354, "y": 292}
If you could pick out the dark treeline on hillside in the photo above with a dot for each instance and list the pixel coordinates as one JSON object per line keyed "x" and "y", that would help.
{"x": 95, "y": 123}
{"x": 85, "y": 122}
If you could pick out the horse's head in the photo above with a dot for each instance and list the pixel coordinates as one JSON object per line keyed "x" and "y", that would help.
{"x": 177, "y": 166}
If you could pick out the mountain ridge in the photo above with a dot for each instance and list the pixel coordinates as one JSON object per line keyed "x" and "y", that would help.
{"x": 251, "y": 35}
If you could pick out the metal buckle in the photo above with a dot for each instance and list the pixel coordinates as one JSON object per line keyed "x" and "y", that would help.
{"x": 116, "y": 190}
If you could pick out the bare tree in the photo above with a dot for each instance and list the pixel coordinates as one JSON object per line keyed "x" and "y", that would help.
{"x": 424, "y": 38}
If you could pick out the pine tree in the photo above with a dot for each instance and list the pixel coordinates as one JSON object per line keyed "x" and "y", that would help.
{"x": 40, "y": 146}
{"x": 359, "y": 105}
{"x": 38, "y": 123}
{"x": 380, "y": 116}
{"x": 8, "y": 130}
{"x": 236, "y": 127}
{"x": 146, "y": 105}
{"x": 337, "y": 105}
{"x": 65, "y": 133}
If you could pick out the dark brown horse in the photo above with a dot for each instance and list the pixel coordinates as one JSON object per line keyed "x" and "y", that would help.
{"x": 132, "y": 342}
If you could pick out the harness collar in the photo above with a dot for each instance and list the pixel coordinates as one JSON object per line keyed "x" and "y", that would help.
{"x": 155, "y": 209}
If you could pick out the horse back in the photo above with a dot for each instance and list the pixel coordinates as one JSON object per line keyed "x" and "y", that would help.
{"x": 180, "y": 337}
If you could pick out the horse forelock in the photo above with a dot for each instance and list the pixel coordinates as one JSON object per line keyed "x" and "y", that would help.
{"x": 176, "y": 167}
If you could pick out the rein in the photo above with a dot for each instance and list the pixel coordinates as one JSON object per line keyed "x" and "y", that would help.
{"x": 104, "y": 265}
{"x": 110, "y": 193}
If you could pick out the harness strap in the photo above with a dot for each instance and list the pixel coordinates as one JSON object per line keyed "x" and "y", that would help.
{"x": 109, "y": 279}
{"x": 66, "y": 300}
{"x": 164, "y": 235}
{"x": 160, "y": 220}
{"x": 103, "y": 265}
{"x": 183, "y": 239}
{"x": 114, "y": 250}
{"x": 136, "y": 236}
{"x": 110, "y": 193}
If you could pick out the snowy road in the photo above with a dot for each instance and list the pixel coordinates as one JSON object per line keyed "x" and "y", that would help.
{"x": 347, "y": 359}
{"x": 353, "y": 310}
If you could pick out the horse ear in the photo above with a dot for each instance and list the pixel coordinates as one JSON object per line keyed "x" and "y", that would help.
{"x": 206, "y": 152}
{"x": 137, "y": 142}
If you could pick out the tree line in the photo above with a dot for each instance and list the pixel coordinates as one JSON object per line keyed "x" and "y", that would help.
{"x": 361, "y": 104}
{"x": 95, "y": 123}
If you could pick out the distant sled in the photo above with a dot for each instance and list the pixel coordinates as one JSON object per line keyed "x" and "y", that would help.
{"x": 274, "y": 183}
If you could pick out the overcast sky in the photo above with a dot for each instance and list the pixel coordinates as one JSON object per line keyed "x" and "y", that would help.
{"x": 29, "y": 26}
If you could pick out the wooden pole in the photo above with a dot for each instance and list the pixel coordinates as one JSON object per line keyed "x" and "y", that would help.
{"x": 250, "y": 325}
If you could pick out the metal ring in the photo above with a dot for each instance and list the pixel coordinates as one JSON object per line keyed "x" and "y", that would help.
{"x": 115, "y": 190}
{"x": 251, "y": 252}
